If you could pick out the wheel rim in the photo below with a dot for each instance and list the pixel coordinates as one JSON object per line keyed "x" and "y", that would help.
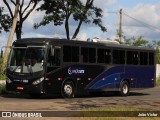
{"x": 68, "y": 89}
{"x": 125, "y": 88}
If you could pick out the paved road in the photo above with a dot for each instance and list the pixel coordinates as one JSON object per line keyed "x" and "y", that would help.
{"x": 149, "y": 98}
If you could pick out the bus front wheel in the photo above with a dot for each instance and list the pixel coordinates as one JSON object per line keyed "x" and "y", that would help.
{"x": 68, "y": 90}
{"x": 124, "y": 89}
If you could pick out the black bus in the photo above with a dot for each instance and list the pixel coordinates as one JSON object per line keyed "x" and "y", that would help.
{"x": 68, "y": 67}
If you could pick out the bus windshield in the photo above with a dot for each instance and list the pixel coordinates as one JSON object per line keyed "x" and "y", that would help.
{"x": 27, "y": 60}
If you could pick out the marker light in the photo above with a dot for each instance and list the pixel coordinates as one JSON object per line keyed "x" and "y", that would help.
{"x": 47, "y": 79}
{"x": 60, "y": 79}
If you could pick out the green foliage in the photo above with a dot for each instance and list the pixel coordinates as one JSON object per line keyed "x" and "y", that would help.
{"x": 156, "y": 42}
{"x": 0, "y": 61}
{"x": 157, "y": 56}
{"x": 60, "y": 11}
{"x": 2, "y": 72}
{"x": 139, "y": 41}
{"x": 5, "y": 21}
{"x": 158, "y": 81}
{"x": 24, "y": 10}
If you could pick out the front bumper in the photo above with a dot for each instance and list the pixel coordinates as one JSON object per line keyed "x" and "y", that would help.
{"x": 37, "y": 89}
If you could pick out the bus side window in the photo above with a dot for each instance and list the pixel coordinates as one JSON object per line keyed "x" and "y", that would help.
{"x": 70, "y": 54}
{"x": 107, "y": 56}
{"x": 92, "y": 55}
{"x": 84, "y": 53}
{"x": 101, "y": 56}
{"x": 151, "y": 58}
{"x": 118, "y": 57}
{"x": 135, "y": 58}
{"x": 67, "y": 55}
{"x": 143, "y": 58}
{"x": 129, "y": 57}
{"x": 75, "y": 54}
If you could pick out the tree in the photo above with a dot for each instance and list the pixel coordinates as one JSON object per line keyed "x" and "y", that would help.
{"x": 5, "y": 21}
{"x": 59, "y": 11}
{"x": 23, "y": 12}
{"x": 9, "y": 42}
{"x": 156, "y": 44}
{"x": 139, "y": 41}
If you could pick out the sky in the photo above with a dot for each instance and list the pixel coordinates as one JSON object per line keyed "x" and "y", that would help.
{"x": 140, "y": 18}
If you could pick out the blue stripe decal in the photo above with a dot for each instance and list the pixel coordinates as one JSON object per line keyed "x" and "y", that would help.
{"x": 138, "y": 76}
{"x": 107, "y": 73}
{"x": 106, "y": 81}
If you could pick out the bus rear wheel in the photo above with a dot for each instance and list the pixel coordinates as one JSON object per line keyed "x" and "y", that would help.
{"x": 124, "y": 89}
{"x": 68, "y": 90}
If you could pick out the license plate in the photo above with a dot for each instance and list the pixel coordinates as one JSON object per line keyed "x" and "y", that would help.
{"x": 20, "y": 88}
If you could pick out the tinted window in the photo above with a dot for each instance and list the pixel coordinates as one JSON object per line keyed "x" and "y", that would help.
{"x": 151, "y": 58}
{"x": 84, "y": 53}
{"x": 132, "y": 58}
{"x": 104, "y": 56}
{"x": 101, "y": 55}
{"x": 88, "y": 54}
{"x": 67, "y": 55}
{"x": 143, "y": 58}
{"x": 92, "y": 55}
{"x": 129, "y": 57}
{"x": 54, "y": 60}
{"x": 118, "y": 57}
{"x": 107, "y": 56}
{"x": 75, "y": 54}
{"x": 70, "y": 54}
{"x": 135, "y": 58}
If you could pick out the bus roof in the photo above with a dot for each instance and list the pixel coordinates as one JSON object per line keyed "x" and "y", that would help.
{"x": 77, "y": 42}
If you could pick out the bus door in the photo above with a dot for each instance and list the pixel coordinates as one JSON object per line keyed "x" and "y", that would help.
{"x": 53, "y": 63}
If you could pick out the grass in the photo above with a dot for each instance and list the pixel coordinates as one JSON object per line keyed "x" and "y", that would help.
{"x": 119, "y": 111}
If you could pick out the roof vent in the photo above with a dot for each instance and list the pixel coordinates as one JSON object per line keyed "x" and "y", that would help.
{"x": 104, "y": 41}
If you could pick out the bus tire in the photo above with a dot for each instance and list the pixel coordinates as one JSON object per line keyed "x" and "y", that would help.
{"x": 68, "y": 89}
{"x": 124, "y": 89}
{"x": 36, "y": 96}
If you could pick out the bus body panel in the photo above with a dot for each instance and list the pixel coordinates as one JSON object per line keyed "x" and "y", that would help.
{"x": 85, "y": 76}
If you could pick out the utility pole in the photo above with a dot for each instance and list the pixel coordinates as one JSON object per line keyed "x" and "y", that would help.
{"x": 120, "y": 26}
{"x": 9, "y": 43}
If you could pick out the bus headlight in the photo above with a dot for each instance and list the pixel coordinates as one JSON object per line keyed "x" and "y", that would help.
{"x": 38, "y": 81}
{"x": 8, "y": 80}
